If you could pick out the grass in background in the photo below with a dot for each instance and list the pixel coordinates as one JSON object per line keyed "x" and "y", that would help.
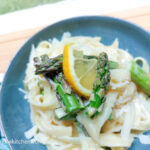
{"x": 13, "y": 5}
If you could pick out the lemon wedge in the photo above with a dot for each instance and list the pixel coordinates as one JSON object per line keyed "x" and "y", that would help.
{"x": 79, "y": 71}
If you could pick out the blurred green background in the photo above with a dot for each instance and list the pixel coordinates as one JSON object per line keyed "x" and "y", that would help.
{"x": 12, "y": 5}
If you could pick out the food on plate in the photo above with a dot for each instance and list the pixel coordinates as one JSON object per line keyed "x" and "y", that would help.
{"x": 85, "y": 95}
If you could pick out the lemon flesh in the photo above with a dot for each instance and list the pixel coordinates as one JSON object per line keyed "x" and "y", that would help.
{"x": 80, "y": 72}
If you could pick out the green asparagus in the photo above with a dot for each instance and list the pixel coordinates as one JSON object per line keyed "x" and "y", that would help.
{"x": 70, "y": 101}
{"x": 44, "y": 64}
{"x": 100, "y": 86}
{"x": 141, "y": 78}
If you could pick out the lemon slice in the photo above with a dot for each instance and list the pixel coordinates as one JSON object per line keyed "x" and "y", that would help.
{"x": 79, "y": 72}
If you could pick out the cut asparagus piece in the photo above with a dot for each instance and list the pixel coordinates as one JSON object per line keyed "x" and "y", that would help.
{"x": 70, "y": 101}
{"x": 141, "y": 78}
{"x": 62, "y": 115}
{"x": 44, "y": 64}
{"x": 100, "y": 86}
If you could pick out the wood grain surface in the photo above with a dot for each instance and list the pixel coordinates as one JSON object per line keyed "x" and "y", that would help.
{"x": 10, "y": 43}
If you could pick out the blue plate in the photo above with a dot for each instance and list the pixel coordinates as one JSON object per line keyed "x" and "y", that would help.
{"x": 15, "y": 110}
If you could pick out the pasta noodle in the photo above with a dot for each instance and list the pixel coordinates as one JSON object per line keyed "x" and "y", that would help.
{"x": 129, "y": 107}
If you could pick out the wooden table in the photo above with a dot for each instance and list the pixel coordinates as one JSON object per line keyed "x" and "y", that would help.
{"x": 10, "y": 43}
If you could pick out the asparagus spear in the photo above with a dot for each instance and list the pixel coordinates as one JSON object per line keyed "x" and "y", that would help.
{"x": 44, "y": 64}
{"x": 141, "y": 78}
{"x": 54, "y": 65}
{"x": 100, "y": 86}
{"x": 70, "y": 101}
